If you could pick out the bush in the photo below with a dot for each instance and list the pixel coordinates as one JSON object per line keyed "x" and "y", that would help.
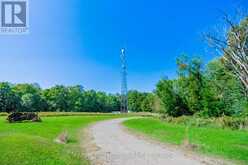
{"x": 172, "y": 102}
{"x": 221, "y": 122}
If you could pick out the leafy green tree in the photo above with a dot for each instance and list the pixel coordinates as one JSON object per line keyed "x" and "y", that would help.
{"x": 22, "y": 89}
{"x": 223, "y": 94}
{"x": 9, "y": 101}
{"x": 57, "y": 98}
{"x": 171, "y": 100}
{"x": 30, "y": 102}
{"x": 76, "y": 99}
{"x": 195, "y": 87}
{"x": 91, "y": 101}
{"x": 113, "y": 102}
{"x": 31, "y": 99}
{"x": 101, "y": 102}
{"x": 147, "y": 104}
{"x": 189, "y": 85}
{"x": 135, "y": 100}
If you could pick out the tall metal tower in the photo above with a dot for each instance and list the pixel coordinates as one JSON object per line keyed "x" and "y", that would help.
{"x": 124, "y": 97}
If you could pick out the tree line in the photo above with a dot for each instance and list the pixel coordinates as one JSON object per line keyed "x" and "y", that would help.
{"x": 32, "y": 98}
{"x": 219, "y": 88}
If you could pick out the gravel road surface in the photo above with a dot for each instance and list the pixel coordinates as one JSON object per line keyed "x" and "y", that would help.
{"x": 110, "y": 144}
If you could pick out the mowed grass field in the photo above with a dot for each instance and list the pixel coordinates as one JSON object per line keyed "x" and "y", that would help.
{"x": 33, "y": 143}
{"x": 225, "y": 143}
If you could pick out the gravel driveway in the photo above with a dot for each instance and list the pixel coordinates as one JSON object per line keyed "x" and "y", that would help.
{"x": 109, "y": 144}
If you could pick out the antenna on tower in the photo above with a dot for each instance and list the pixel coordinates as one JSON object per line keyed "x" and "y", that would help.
{"x": 124, "y": 92}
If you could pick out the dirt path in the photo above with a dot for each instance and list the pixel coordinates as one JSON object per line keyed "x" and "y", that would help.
{"x": 109, "y": 144}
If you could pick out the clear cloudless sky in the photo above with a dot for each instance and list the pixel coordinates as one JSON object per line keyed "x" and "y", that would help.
{"x": 78, "y": 41}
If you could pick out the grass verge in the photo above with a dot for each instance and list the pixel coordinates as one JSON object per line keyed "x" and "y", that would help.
{"x": 33, "y": 143}
{"x": 226, "y": 143}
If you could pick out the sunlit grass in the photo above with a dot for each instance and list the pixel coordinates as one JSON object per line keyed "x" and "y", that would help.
{"x": 33, "y": 143}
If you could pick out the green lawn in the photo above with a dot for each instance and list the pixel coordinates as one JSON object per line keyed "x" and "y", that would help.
{"x": 33, "y": 143}
{"x": 225, "y": 143}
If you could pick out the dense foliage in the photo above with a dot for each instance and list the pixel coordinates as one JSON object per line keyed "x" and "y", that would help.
{"x": 31, "y": 98}
{"x": 141, "y": 101}
{"x": 9, "y": 101}
{"x": 213, "y": 91}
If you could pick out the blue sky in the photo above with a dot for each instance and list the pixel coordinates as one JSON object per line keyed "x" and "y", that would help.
{"x": 79, "y": 41}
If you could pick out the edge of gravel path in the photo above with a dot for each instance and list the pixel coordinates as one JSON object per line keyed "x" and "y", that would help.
{"x": 89, "y": 148}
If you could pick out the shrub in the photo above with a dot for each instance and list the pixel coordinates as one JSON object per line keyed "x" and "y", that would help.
{"x": 221, "y": 122}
